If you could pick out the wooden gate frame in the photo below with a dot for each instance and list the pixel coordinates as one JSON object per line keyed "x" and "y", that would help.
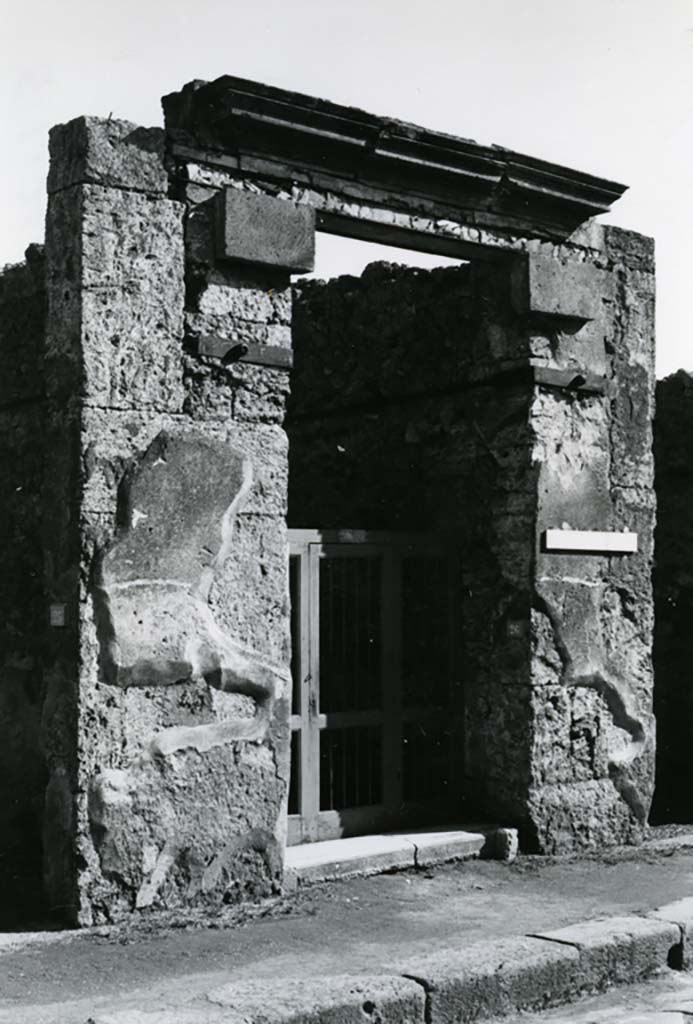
{"x": 312, "y": 824}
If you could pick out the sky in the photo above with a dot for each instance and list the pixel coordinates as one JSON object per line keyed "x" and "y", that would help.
{"x": 605, "y": 86}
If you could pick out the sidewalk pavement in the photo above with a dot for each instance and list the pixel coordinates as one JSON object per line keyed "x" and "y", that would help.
{"x": 460, "y": 942}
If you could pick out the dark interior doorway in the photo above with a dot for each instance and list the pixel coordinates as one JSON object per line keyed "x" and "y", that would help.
{"x": 377, "y": 723}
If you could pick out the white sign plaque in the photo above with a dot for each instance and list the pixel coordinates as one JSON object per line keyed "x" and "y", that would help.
{"x": 605, "y": 542}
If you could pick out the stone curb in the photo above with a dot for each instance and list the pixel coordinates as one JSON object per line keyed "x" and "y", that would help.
{"x": 459, "y": 986}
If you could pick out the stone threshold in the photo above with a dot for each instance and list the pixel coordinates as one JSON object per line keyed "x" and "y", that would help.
{"x": 309, "y": 863}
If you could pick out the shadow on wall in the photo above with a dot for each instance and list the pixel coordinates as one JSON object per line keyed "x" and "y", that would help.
{"x": 673, "y": 594}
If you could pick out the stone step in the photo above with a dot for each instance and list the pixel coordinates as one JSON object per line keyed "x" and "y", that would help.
{"x": 373, "y": 854}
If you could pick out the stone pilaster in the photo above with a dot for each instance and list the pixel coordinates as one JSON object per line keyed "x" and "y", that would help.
{"x": 591, "y": 672}
{"x": 165, "y": 716}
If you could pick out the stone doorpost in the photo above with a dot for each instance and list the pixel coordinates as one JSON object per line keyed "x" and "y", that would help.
{"x": 166, "y": 717}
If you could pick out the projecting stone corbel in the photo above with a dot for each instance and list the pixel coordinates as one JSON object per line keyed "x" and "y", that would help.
{"x": 550, "y": 287}
{"x": 260, "y": 229}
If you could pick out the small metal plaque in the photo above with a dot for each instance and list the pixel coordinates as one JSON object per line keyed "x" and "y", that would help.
{"x": 597, "y": 542}
{"x": 56, "y": 615}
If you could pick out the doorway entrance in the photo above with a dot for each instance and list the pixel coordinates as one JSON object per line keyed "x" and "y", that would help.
{"x": 376, "y": 689}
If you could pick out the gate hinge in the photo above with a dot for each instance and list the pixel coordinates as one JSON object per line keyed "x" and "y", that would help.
{"x": 581, "y": 382}
{"x": 230, "y": 351}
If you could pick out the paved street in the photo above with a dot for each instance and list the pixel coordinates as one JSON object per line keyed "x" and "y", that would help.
{"x": 361, "y": 926}
{"x": 667, "y": 999}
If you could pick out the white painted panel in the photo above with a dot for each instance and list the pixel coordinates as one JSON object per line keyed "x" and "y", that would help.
{"x": 596, "y": 541}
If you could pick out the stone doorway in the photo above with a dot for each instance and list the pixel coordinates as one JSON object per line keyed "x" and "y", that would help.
{"x": 492, "y": 406}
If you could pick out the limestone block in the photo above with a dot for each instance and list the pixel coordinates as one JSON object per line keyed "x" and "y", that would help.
{"x": 132, "y": 351}
{"x": 250, "y": 332}
{"x": 261, "y": 229}
{"x": 570, "y": 817}
{"x": 619, "y": 950}
{"x": 107, "y": 152}
{"x": 680, "y": 912}
{"x": 194, "y": 827}
{"x": 495, "y": 978}
{"x": 572, "y": 452}
{"x": 258, "y": 294}
{"x": 337, "y": 999}
{"x": 133, "y": 242}
{"x": 550, "y": 286}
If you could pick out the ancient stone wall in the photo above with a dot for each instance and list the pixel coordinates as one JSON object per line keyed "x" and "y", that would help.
{"x": 519, "y": 400}
{"x": 376, "y": 360}
{"x": 407, "y": 412}
{"x": 22, "y": 604}
{"x": 673, "y": 594}
{"x": 592, "y": 617}
{"x": 166, "y": 735}
{"x": 498, "y": 448}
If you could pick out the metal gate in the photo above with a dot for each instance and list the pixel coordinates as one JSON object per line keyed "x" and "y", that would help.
{"x": 377, "y": 712}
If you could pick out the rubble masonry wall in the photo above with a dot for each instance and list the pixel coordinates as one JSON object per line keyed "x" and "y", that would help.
{"x": 673, "y": 595}
{"x": 22, "y": 411}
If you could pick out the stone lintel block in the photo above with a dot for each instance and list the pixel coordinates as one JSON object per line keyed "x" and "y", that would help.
{"x": 549, "y": 286}
{"x": 261, "y": 229}
{"x": 494, "y": 978}
{"x": 619, "y": 950}
{"x": 107, "y": 152}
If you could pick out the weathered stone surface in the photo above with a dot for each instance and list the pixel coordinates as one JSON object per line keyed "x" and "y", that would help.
{"x": 176, "y": 513}
{"x": 618, "y": 951}
{"x": 552, "y": 286}
{"x": 336, "y": 999}
{"x": 340, "y": 998}
{"x": 195, "y": 705}
{"x": 165, "y": 720}
{"x": 495, "y": 978}
{"x": 414, "y": 408}
{"x": 112, "y": 438}
{"x": 257, "y": 294}
{"x": 127, "y": 238}
{"x": 260, "y": 229}
{"x": 680, "y": 913}
{"x": 592, "y": 615}
{"x": 115, "y": 288}
{"x": 107, "y": 152}
{"x": 132, "y": 350}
